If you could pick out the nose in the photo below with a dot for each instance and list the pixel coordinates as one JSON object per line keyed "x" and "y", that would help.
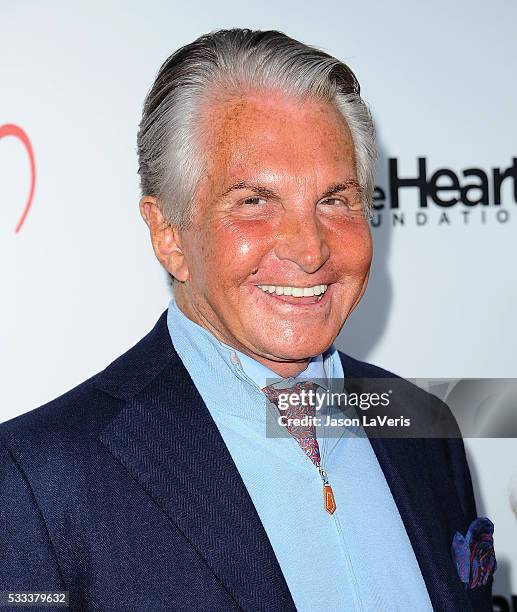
{"x": 301, "y": 239}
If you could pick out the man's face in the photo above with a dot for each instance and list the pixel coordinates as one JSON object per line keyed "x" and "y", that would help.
{"x": 278, "y": 208}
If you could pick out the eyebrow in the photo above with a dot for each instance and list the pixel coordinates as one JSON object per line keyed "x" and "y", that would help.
{"x": 269, "y": 193}
{"x": 258, "y": 189}
{"x": 337, "y": 187}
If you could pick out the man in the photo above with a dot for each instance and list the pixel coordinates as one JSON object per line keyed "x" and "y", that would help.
{"x": 153, "y": 485}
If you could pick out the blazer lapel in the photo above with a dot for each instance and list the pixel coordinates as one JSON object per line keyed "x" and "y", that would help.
{"x": 166, "y": 438}
{"x": 407, "y": 465}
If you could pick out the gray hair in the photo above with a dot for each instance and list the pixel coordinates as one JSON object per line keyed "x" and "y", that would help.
{"x": 170, "y": 165}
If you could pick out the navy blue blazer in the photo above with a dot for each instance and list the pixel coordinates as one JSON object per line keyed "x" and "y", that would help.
{"x": 122, "y": 492}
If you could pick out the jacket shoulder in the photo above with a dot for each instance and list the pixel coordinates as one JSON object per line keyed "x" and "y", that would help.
{"x": 428, "y": 414}
{"x": 82, "y": 412}
{"x": 78, "y": 414}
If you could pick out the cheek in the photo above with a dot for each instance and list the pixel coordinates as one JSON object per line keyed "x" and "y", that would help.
{"x": 229, "y": 252}
{"x": 351, "y": 250}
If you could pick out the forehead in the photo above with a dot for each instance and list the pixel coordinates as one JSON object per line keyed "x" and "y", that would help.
{"x": 266, "y": 135}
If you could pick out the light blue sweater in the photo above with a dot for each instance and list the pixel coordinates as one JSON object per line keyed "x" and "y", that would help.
{"x": 359, "y": 558}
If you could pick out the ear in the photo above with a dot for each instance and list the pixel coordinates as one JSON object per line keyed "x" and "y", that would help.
{"x": 165, "y": 238}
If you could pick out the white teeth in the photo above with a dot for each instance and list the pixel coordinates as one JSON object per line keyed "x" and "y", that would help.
{"x": 294, "y": 291}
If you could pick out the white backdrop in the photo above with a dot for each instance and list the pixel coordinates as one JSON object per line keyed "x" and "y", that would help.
{"x": 80, "y": 283}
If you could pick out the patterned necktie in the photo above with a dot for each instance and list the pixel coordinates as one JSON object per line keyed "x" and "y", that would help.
{"x": 297, "y": 405}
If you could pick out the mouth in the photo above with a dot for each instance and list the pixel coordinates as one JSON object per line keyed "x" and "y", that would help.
{"x": 298, "y": 296}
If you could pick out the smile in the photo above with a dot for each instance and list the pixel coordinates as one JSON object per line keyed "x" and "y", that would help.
{"x": 297, "y": 292}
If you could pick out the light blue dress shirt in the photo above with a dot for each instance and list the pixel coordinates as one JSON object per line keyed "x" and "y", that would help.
{"x": 359, "y": 558}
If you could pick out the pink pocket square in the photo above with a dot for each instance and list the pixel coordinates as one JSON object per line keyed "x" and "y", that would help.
{"x": 474, "y": 554}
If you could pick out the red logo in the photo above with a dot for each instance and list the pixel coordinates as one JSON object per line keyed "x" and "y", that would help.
{"x": 9, "y": 129}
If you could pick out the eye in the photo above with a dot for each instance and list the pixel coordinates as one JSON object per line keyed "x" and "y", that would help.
{"x": 352, "y": 208}
{"x": 334, "y": 202}
{"x": 254, "y": 201}
{"x": 340, "y": 203}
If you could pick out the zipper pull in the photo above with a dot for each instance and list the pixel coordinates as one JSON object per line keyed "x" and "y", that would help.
{"x": 329, "y": 501}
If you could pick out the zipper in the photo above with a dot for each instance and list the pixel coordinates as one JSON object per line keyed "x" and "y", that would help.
{"x": 329, "y": 501}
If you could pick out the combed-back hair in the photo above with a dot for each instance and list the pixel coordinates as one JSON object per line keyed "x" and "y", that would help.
{"x": 236, "y": 61}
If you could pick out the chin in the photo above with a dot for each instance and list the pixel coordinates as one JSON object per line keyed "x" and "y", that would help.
{"x": 286, "y": 351}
